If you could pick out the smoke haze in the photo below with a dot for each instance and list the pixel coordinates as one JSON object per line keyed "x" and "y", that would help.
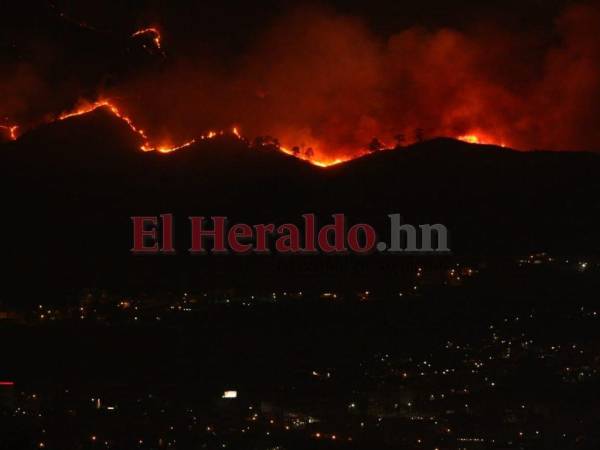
{"x": 316, "y": 78}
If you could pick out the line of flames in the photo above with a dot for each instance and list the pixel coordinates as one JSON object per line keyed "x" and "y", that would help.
{"x": 153, "y": 31}
{"x": 148, "y": 147}
{"x": 316, "y": 162}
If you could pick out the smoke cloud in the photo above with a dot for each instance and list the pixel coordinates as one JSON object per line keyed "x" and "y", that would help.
{"x": 317, "y": 79}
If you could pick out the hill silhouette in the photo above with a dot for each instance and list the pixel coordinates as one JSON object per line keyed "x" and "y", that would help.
{"x": 70, "y": 188}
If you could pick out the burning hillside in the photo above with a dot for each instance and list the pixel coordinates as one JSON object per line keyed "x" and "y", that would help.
{"x": 325, "y": 88}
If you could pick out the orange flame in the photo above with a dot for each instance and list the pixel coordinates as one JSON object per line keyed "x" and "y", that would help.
{"x": 320, "y": 160}
{"x": 11, "y": 130}
{"x": 146, "y": 146}
{"x": 478, "y": 139}
{"x": 470, "y": 138}
{"x": 154, "y": 32}
{"x": 324, "y": 163}
{"x": 166, "y": 149}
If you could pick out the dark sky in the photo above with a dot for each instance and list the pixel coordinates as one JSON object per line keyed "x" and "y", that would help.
{"x": 230, "y": 25}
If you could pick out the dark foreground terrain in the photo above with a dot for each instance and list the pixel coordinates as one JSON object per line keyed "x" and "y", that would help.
{"x": 485, "y": 357}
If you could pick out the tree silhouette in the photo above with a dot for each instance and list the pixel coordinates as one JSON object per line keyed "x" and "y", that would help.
{"x": 296, "y": 150}
{"x": 259, "y": 141}
{"x": 309, "y": 152}
{"x": 400, "y": 140}
{"x": 419, "y": 135}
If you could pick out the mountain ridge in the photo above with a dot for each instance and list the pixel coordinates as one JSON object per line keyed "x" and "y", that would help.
{"x": 70, "y": 188}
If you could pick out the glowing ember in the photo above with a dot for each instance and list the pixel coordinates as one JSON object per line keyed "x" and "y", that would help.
{"x": 152, "y": 31}
{"x": 11, "y": 130}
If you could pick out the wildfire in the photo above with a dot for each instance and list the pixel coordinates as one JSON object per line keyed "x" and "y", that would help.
{"x": 328, "y": 163}
{"x": 146, "y": 146}
{"x": 311, "y": 154}
{"x": 11, "y": 130}
{"x": 315, "y": 161}
{"x": 152, "y": 31}
{"x": 470, "y": 138}
{"x": 166, "y": 149}
{"x": 478, "y": 139}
